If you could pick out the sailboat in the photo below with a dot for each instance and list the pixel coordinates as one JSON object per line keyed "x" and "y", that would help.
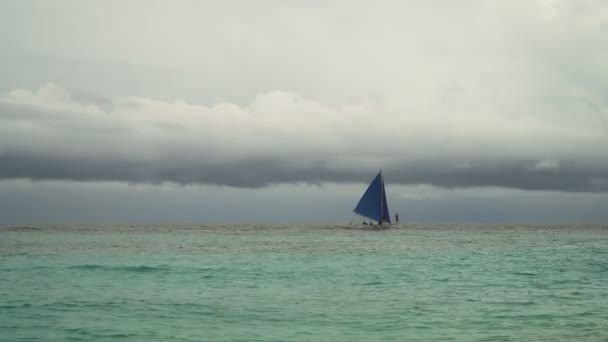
{"x": 373, "y": 202}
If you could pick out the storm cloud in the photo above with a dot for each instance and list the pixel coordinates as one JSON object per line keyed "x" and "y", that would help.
{"x": 281, "y": 137}
{"x": 258, "y": 173}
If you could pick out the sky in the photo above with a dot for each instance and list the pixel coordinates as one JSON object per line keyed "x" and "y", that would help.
{"x": 284, "y": 111}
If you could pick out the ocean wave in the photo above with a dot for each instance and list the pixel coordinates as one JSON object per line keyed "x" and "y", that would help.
{"x": 15, "y": 306}
{"x": 373, "y": 283}
{"x": 23, "y": 228}
{"x": 140, "y": 268}
{"x": 85, "y": 334}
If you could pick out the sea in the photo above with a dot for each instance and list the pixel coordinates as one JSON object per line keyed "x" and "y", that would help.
{"x": 197, "y": 282}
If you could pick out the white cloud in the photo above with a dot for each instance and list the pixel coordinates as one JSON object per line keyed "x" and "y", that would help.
{"x": 283, "y": 124}
{"x": 547, "y": 164}
{"x": 497, "y": 53}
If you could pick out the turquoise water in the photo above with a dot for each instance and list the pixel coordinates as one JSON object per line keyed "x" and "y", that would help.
{"x": 305, "y": 283}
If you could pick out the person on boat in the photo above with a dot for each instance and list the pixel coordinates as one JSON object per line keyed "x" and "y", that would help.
{"x": 396, "y": 218}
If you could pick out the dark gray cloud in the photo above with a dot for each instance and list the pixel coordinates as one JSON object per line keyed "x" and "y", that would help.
{"x": 523, "y": 174}
{"x": 518, "y": 174}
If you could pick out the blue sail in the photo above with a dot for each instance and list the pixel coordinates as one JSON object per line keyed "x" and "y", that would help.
{"x": 373, "y": 202}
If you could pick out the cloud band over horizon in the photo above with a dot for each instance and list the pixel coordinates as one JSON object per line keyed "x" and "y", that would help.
{"x": 281, "y": 137}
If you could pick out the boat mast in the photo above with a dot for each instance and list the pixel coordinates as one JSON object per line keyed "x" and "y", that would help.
{"x": 381, "y": 196}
